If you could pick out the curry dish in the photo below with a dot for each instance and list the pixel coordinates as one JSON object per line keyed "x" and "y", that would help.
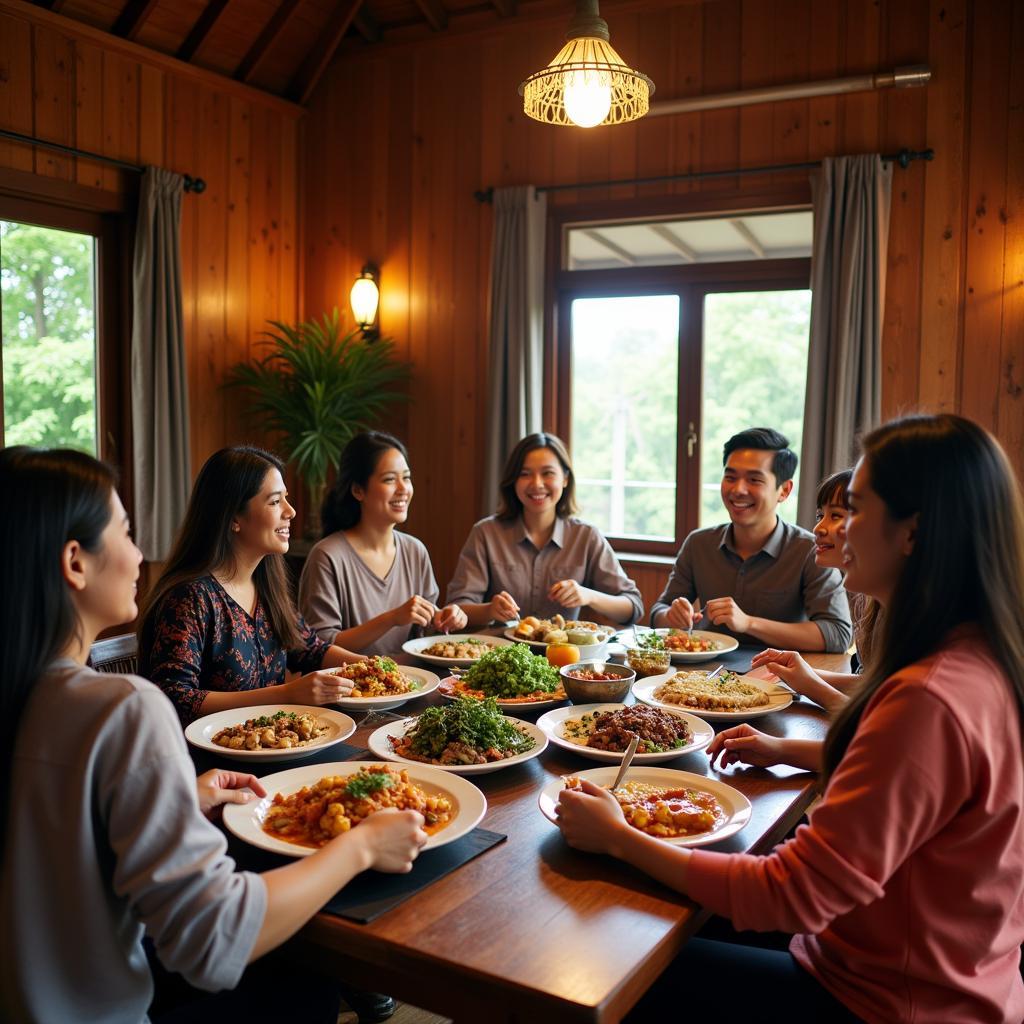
{"x": 279, "y": 731}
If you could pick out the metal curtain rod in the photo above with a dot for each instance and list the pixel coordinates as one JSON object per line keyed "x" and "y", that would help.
{"x": 196, "y": 185}
{"x": 904, "y": 158}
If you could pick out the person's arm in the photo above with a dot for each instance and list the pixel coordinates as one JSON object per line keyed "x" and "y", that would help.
{"x": 827, "y": 606}
{"x": 800, "y": 636}
{"x": 606, "y": 588}
{"x": 680, "y": 588}
{"x": 471, "y": 584}
{"x": 416, "y": 611}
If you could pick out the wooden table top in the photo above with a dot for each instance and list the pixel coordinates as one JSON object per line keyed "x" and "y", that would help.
{"x": 533, "y": 930}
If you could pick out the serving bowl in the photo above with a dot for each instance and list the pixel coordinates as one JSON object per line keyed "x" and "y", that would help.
{"x": 597, "y": 691}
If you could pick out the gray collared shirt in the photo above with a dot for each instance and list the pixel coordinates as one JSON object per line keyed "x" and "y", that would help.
{"x": 781, "y": 582}
{"x": 499, "y": 555}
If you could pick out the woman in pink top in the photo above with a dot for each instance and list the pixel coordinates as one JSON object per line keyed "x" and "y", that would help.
{"x": 905, "y": 892}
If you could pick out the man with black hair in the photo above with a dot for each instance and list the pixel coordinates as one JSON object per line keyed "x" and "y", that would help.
{"x": 756, "y": 574}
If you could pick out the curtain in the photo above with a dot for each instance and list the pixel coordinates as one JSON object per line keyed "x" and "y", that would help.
{"x": 851, "y": 198}
{"x": 160, "y": 435}
{"x": 516, "y": 341}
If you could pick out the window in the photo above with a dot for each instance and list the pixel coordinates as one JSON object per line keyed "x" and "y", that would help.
{"x": 663, "y": 356}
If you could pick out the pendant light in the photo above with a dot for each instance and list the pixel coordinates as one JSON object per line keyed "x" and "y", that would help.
{"x": 587, "y": 83}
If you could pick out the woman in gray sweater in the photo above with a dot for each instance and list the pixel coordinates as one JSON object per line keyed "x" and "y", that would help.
{"x": 105, "y": 826}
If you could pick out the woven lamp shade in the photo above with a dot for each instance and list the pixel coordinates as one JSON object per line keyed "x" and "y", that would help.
{"x": 586, "y": 59}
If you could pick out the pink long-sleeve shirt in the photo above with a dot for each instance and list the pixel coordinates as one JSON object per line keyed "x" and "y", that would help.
{"x": 906, "y": 890}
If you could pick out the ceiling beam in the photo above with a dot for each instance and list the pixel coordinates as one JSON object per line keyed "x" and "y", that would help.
{"x": 434, "y": 12}
{"x": 130, "y": 21}
{"x": 677, "y": 243}
{"x": 749, "y": 237}
{"x": 615, "y": 250}
{"x": 506, "y": 8}
{"x": 266, "y": 39}
{"x": 366, "y": 25}
{"x": 201, "y": 29}
{"x": 315, "y": 63}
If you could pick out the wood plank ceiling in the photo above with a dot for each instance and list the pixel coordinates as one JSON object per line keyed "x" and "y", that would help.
{"x": 281, "y": 47}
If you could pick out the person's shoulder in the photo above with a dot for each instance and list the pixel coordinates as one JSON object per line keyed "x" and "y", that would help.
{"x": 792, "y": 533}
{"x": 331, "y": 548}
{"x": 413, "y": 545}
{"x": 578, "y": 525}
{"x": 109, "y": 694}
{"x": 705, "y": 537}
{"x": 200, "y": 588}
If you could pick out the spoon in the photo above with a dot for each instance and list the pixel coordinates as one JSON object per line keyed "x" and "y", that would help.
{"x": 626, "y": 761}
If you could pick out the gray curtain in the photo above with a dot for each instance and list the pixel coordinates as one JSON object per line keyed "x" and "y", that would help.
{"x": 851, "y": 198}
{"x": 516, "y": 344}
{"x": 160, "y": 436}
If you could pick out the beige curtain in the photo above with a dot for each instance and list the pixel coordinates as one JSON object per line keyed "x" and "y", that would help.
{"x": 516, "y": 347}
{"x": 851, "y": 198}
{"x": 159, "y": 389}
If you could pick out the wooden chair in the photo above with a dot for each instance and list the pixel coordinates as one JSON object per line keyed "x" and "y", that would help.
{"x": 117, "y": 654}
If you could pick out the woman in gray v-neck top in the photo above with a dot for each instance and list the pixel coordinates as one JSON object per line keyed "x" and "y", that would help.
{"x": 366, "y": 586}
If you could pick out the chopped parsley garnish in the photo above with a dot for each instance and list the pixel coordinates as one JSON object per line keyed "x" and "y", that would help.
{"x": 367, "y": 782}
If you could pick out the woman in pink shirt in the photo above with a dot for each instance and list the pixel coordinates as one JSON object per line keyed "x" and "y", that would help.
{"x": 905, "y": 892}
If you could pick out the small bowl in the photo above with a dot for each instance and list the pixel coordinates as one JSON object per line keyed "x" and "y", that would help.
{"x": 646, "y": 662}
{"x": 597, "y": 691}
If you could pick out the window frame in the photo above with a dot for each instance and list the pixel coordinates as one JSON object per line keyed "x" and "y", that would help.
{"x": 113, "y": 382}
{"x": 691, "y": 283}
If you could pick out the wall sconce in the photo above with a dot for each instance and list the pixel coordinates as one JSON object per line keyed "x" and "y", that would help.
{"x": 364, "y": 297}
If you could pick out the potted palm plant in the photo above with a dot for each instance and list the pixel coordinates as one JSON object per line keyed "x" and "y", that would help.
{"x": 314, "y": 389}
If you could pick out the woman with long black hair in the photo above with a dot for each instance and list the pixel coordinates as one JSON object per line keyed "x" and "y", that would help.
{"x": 105, "y": 834}
{"x": 219, "y": 628}
{"x": 906, "y": 889}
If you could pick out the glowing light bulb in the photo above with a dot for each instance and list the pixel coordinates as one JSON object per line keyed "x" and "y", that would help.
{"x": 588, "y": 96}
{"x": 364, "y": 298}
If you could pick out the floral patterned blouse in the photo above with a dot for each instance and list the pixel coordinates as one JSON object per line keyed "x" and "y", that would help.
{"x": 201, "y": 640}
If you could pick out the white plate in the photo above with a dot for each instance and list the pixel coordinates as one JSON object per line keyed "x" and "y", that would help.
{"x": 416, "y": 648}
{"x": 523, "y": 705}
{"x": 200, "y": 733}
{"x": 689, "y": 657}
{"x": 778, "y": 698}
{"x": 735, "y": 805}
{"x": 428, "y": 682}
{"x": 587, "y": 651}
{"x": 246, "y": 820}
{"x": 552, "y": 724}
{"x": 380, "y": 743}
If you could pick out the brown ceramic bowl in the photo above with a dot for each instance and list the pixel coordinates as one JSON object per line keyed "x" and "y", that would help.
{"x": 597, "y": 691}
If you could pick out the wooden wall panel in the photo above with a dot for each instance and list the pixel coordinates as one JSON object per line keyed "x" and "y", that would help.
{"x": 240, "y": 242}
{"x": 954, "y": 303}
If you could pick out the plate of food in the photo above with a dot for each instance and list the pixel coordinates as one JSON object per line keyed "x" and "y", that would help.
{"x": 723, "y": 697}
{"x": 269, "y": 732}
{"x": 307, "y": 807}
{"x": 468, "y": 737}
{"x": 682, "y": 808}
{"x": 685, "y": 645}
{"x": 379, "y": 684}
{"x": 589, "y": 637}
{"x": 602, "y": 732}
{"x": 513, "y": 675}
{"x": 453, "y": 651}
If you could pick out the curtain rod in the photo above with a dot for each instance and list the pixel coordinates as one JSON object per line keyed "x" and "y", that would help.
{"x": 905, "y": 157}
{"x": 196, "y": 185}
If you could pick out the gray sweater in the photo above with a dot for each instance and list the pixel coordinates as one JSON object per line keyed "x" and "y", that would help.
{"x": 105, "y": 840}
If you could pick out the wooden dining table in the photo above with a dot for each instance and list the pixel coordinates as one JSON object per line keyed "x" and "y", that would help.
{"x": 534, "y": 931}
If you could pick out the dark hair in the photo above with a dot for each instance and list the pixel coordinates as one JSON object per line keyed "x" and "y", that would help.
{"x": 968, "y": 542}
{"x": 764, "y": 439}
{"x": 509, "y": 505}
{"x": 56, "y": 496}
{"x": 832, "y": 490}
{"x": 228, "y": 481}
{"x": 358, "y": 462}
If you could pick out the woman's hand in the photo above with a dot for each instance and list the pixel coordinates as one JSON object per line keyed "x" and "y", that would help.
{"x": 220, "y": 786}
{"x": 318, "y": 688}
{"x": 744, "y": 745}
{"x": 503, "y": 607}
{"x": 590, "y": 818}
{"x": 392, "y": 838}
{"x": 450, "y": 619}
{"x": 682, "y": 614}
{"x": 417, "y": 611}
{"x": 791, "y": 669}
{"x": 569, "y": 594}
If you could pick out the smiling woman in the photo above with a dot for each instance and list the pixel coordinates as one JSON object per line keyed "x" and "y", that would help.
{"x": 220, "y": 626}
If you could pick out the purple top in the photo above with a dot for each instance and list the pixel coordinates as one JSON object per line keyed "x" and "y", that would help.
{"x": 202, "y": 640}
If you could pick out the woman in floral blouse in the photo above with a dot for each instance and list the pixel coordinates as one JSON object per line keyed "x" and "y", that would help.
{"x": 220, "y": 626}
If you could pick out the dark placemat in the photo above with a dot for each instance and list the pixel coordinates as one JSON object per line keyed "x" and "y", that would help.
{"x": 205, "y": 760}
{"x": 371, "y": 894}
{"x": 735, "y": 661}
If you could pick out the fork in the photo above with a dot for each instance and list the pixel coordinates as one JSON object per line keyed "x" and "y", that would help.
{"x": 626, "y": 761}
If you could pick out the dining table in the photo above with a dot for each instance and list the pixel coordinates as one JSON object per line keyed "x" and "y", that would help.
{"x": 534, "y": 931}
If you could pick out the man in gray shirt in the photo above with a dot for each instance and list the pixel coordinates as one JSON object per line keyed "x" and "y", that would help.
{"x": 756, "y": 574}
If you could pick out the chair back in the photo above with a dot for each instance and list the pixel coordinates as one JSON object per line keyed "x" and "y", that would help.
{"x": 119, "y": 654}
